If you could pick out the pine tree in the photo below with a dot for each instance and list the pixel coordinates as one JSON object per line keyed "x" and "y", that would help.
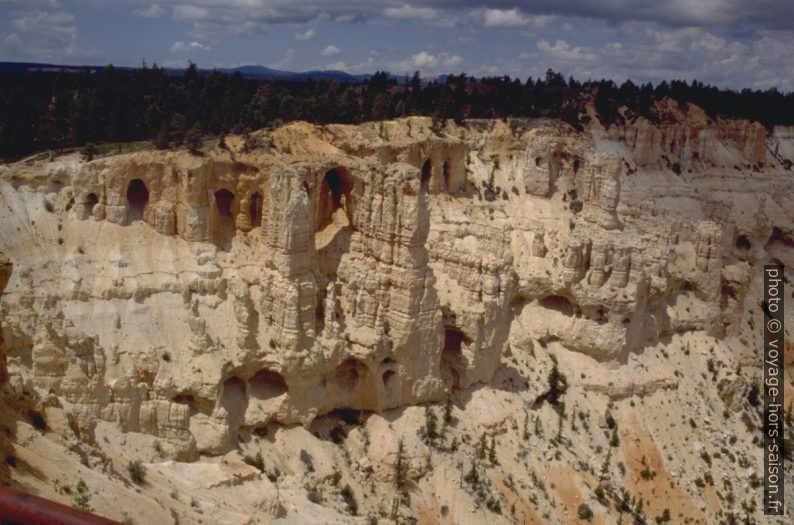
{"x": 558, "y": 383}
{"x": 448, "y": 409}
{"x": 400, "y": 468}
{"x": 492, "y": 452}
{"x": 82, "y": 498}
{"x": 431, "y": 424}
{"x": 193, "y": 138}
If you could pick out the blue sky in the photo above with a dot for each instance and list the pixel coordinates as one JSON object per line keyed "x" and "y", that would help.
{"x": 732, "y": 43}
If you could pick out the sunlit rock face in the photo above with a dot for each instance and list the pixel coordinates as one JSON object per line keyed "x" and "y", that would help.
{"x": 197, "y": 297}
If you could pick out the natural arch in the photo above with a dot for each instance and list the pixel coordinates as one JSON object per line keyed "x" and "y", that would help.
{"x": 137, "y": 199}
{"x": 427, "y": 169}
{"x": 452, "y": 360}
{"x": 558, "y": 303}
{"x": 255, "y": 210}
{"x": 267, "y": 384}
{"x": 334, "y": 195}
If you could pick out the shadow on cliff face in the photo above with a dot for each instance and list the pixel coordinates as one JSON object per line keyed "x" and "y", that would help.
{"x": 16, "y": 409}
{"x": 225, "y": 227}
{"x": 334, "y": 220}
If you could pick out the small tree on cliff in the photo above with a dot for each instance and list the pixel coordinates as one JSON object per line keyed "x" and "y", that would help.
{"x": 558, "y": 383}
{"x": 400, "y": 467}
{"x": 193, "y": 138}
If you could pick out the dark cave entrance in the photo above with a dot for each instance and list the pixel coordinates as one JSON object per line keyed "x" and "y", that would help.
{"x": 427, "y": 169}
{"x": 224, "y": 201}
{"x": 91, "y": 201}
{"x": 255, "y": 210}
{"x": 334, "y": 195}
{"x": 137, "y": 199}
{"x": 452, "y": 360}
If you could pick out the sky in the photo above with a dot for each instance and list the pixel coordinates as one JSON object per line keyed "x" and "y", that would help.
{"x": 729, "y": 43}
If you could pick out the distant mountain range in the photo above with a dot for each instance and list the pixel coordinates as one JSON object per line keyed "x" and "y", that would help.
{"x": 251, "y": 72}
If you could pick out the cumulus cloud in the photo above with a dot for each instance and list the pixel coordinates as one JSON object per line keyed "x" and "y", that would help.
{"x": 330, "y": 51}
{"x": 43, "y": 30}
{"x": 153, "y": 11}
{"x": 427, "y": 62}
{"x": 182, "y": 47}
{"x": 410, "y": 12}
{"x": 307, "y": 35}
{"x": 514, "y": 18}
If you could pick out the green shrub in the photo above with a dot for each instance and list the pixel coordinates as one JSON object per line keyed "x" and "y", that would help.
{"x": 82, "y": 498}
{"x": 256, "y": 461}
{"x": 350, "y": 500}
{"x": 137, "y": 471}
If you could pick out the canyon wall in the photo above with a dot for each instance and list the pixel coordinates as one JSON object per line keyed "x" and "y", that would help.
{"x": 201, "y": 298}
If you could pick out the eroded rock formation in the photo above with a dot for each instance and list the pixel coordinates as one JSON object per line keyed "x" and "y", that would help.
{"x": 195, "y": 298}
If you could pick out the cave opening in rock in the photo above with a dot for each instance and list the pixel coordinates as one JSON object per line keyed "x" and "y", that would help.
{"x": 349, "y": 373}
{"x": 233, "y": 398}
{"x": 334, "y": 196}
{"x": 558, "y": 303}
{"x": 388, "y": 377}
{"x": 267, "y": 384}
{"x": 91, "y": 201}
{"x": 137, "y": 199}
{"x": 445, "y": 171}
{"x": 452, "y": 360}
{"x": 427, "y": 169}
{"x": 743, "y": 243}
{"x": 224, "y": 218}
{"x": 194, "y": 402}
{"x": 255, "y": 210}
{"x": 223, "y": 202}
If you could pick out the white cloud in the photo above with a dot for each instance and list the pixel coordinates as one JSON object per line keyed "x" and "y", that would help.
{"x": 305, "y": 36}
{"x": 561, "y": 50}
{"x": 337, "y": 66}
{"x": 153, "y": 11}
{"x": 424, "y": 59}
{"x": 410, "y": 12}
{"x": 426, "y": 62}
{"x": 514, "y": 18}
{"x": 182, "y": 47}
{"x": 330, "y": 51}
{"x": 286, "y": 59}
{"x": 47, "y": 31}
{"x": 452, "y": 61}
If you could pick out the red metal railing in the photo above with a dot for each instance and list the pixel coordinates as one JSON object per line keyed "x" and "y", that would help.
{"x": 20, "y": 508}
